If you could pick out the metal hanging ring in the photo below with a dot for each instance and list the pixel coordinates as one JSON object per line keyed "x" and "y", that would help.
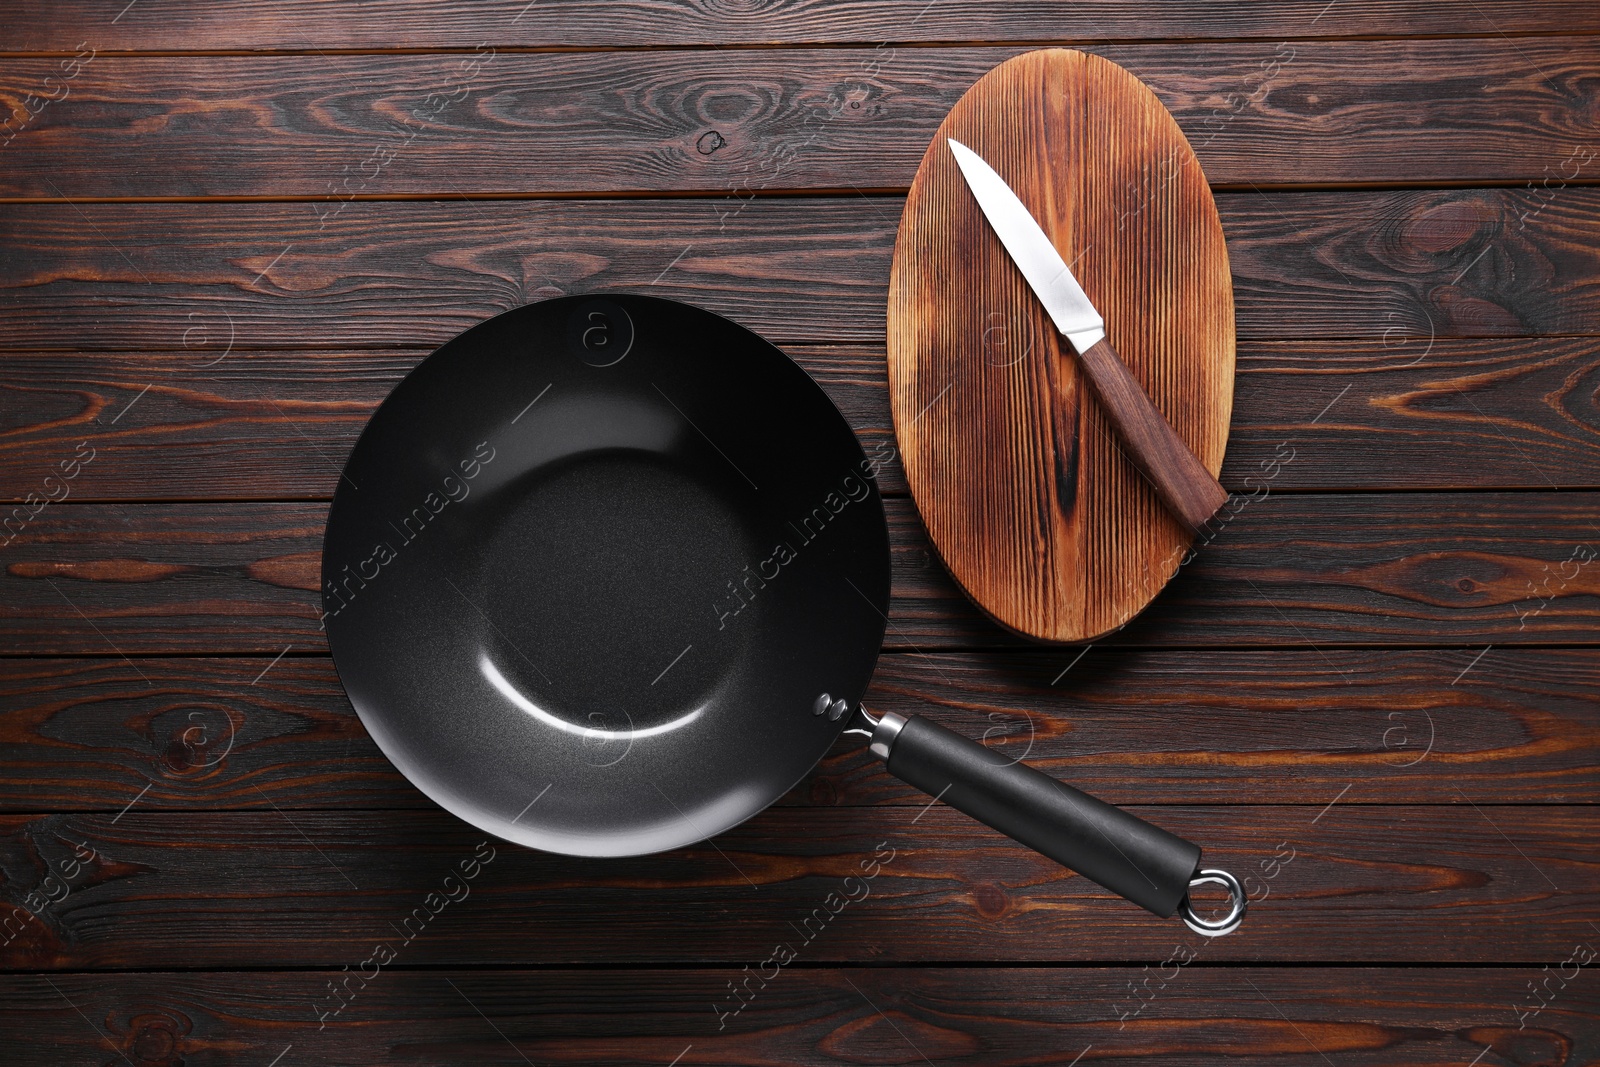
{"x": 1229, "y": 922}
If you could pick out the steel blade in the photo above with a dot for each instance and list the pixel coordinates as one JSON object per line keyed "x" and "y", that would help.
{"x": 1031, "y": 250}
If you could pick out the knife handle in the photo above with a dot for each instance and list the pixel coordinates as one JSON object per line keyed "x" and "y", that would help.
{"x": 1181, "y": 480}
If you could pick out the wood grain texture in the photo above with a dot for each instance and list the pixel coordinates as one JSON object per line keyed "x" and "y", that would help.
{"x": 1414, "y": 569}
{"x": 1182, "y": 483}
{"x": 1026, "y": 462}
{"x": 305, "y": 25}
{"x": 993, "y": 1017}
{"x": 1259, "y": 114}
{"x": 1366, "y": 266}
{"x": 1420, "y": 413}
{"x": 1128, "y": 725}
{"x": 1424, "y": 569}
{"x": 258, "y": 424}
{"x": 1438, "y": 337}
{"x": 1389, "y": 883}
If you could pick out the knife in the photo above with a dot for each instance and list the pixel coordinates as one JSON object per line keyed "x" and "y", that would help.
{"x": 1180, "y": 479}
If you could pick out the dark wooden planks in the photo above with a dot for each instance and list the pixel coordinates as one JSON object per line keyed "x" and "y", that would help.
{"x": 1393, "y": 267}
{"x": 386, "y": 274}
{"x": 1258, "y": 113}
{"x": 303, "y": 25}
{"x": 1469, "y": 263}
{"x": 1522, "y": 732}
{"x": 229, "y": 577}
{"x": 994, "y": 1017}
{"x": 1419, "y": 414}
{"x": 1306, "y": 571}
{"x": 1271, "y": 726}
{"x": 257, "y": 424}
{"x": 1389, "y": 883}
{"x": 1434, "y": 568}
{"x": 212, "y": 422}
{"x": 207, "y": 732}
{"x": 1422, "y": 412}
{"x": 1130, "y": 725}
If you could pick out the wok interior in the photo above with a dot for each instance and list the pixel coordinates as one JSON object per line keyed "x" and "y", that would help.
{"x": 587, "y": 603}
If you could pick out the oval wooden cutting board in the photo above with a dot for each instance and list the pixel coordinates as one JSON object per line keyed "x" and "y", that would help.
{"x": 1018, "y": 476}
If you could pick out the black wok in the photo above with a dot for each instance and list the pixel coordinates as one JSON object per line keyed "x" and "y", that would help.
{"x": 608, "y": 576}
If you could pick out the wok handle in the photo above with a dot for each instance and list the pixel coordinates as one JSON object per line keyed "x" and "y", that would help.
{"x": 1126, "y": 855}
{"x": 1180, "y": 479}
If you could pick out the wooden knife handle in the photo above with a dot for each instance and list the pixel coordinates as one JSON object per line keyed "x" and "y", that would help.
{"x": 1181, "y": 480}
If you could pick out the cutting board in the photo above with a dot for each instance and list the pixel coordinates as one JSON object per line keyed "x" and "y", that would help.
{"x": 1018, "y": 476}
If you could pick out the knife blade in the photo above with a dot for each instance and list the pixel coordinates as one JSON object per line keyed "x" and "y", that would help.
{"x": 1180, "y": 479}
{"x": 1031, "y": 250}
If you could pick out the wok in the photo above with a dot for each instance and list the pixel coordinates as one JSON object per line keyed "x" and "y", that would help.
{"x": 608, "y": 576}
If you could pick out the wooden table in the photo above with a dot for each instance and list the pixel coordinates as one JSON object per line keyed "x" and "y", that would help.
{"x": 227, "y": 230}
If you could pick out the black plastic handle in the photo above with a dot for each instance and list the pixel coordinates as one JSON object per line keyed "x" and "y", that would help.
{"x": 1125, "y": 854}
